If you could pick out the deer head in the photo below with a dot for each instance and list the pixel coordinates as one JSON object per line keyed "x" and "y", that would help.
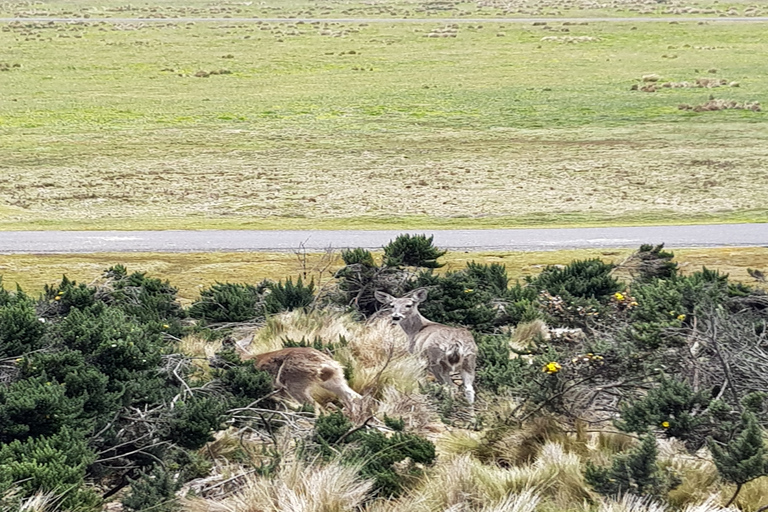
{"x": 404, "y": 307}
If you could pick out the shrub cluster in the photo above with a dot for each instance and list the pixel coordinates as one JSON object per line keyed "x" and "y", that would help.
{"x": 92, "y": 389}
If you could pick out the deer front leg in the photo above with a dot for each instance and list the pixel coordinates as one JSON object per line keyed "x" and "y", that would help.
{"x": 468, "y": 377}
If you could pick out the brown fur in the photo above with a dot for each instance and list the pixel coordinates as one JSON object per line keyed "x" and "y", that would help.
{"x": 295, "y": 370}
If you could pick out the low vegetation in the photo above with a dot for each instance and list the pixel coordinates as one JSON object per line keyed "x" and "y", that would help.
{"x": 602, "y": 386}
{"x": 240, "y": 123}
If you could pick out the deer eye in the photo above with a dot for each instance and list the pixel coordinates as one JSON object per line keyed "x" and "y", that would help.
{"x": 408, "y": 306}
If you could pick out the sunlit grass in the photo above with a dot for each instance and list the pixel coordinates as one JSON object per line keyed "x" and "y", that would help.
{"x": 191, "y": 272}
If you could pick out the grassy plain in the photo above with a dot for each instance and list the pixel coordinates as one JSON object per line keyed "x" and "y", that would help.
{"x": 231, "y": 124}
{"x": 195, "y": 271}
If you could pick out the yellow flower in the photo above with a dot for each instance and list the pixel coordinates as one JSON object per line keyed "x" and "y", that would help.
{"x": 618, "y": 296}
{"x": 468, "y": 290}
{"x": 165, "y": 326}
{"x": 665, "y": 424}
{"x": 552, "y": 367}
{"x": 681, "y": 317}
{"x": 58, "y": 297}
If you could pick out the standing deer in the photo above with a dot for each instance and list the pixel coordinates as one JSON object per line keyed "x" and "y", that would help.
{"x": 295, "y": 370}
{"x": 446, "y": 348}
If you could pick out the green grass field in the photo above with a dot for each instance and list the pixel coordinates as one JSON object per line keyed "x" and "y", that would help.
{"x": 369, "y": 125}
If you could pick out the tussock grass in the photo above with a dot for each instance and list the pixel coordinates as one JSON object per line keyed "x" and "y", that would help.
{"x": 298, "y": 487}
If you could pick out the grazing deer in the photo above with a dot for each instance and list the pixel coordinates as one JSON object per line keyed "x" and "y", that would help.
{"x": 446, "y": 348}
{"x": 295, "y": 370}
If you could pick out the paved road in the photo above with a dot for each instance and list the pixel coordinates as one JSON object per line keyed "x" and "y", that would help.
{"x": 665, "y": 19}
{"x": 724, "y": 235}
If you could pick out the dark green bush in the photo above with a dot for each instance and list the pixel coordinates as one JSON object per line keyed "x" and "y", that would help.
{"x": 145, "y": 299}
{"x": 378, "y": 453}
{"x": 288, "y": 296}
{"x": 412, "y": 251}
{"x": 55, "y": 463}
{"x": 154, "y": 491}
{"x": 82, "y": 381}
{"x": 496, "y": 372}
{"x": 193, "y": 421}
{"x": 744, "y": 457}
{"x": 357, "y": 256}
{"x": 635, "y": 473}
{"x": 36, "y": 407}
{"x": 670, "y": 407}
{"x": 586, "y": 279}
{"x": 653, "y": 262}
{"x": 59, "y": 300}
{"x": 229, "y": 302}
{"x": 477, "y": 296}
{"x": 20, "y": 329}
{"x": 246, "y": 383}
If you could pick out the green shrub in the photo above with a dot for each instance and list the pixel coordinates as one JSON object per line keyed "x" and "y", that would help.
{"x": 229, "y": 302}
{"x": 20, "y": 329}
{"x": 288, "y": 296}
{"x": 55, "y": 463}
{"x": 412, "y": 251}
{"x": 496, "y": 372}
{"x": 744, "y": 457}
{"x": 586, "y": 279}
{"x": 154, "y": 491}
{"x": 635, "y": 473}
{"x": 357, "y": 256}
{"x": 193, "y": 421}
{"x": 671, "y": 407}
{"x": 653, "y": 262}
{"x": 147, "y": 300}
{"x": 36, "y": 407}
{"x": 59, "y": 300}
{"x": 246, "y": 383}
{"x": 378, "y": 453}
{"x": 82, "y": 381}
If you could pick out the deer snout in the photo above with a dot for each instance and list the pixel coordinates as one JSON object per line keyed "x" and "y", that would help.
{"x": 396, "y": 318}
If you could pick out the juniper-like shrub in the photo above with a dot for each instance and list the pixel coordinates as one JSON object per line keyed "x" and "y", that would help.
{"x": 496, "y": 372}
{"x": 357, "y": 282}
{"x": 744, "y": 457}
{"x": 245, "y": 382}
{"x": 20, "y": 329}
{"x": 229, "y": 302}
{"x": 477, "y": 297}
{"x": 289, "y": 296}
{"x": 36, "y": 407}
{"x": 670, "y": 407}
{"x": 147, "y": 300}
{"x": 357, "y": 256}
{"x": 653, "y": 262}
{"x": 194, "y": 420}
{"x": 586, "y": 279}
{"x": 378, "y": 453}
{"x": 153, "y": 490}
{"x": 59, "y": 300}
{"x": 412, "y": 251}
{"x": 82, "y": 381}
{"x": 56, "y": 463}
{"x": 635, "y": 473}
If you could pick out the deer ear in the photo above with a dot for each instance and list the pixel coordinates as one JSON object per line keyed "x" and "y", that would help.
{"x": 382, "y": 297}
{"x": 419, "y": 294}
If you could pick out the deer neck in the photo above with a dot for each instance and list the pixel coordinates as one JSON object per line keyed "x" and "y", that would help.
{"x": 412, "y": 325}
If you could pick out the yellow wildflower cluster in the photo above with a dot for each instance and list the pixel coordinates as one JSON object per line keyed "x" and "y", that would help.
{"x": 588, "y": 358}
{"x": 552, "y": 367}
{"x": 665, "y": 424}
{"x": 624, "y": 300}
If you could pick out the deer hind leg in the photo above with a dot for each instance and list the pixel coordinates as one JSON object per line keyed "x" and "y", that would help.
{"x": 299, "y": 391}
{"x": 333, "y": 380}
{"x": 442, "y": 373}
{"x": 468, "y": 377}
